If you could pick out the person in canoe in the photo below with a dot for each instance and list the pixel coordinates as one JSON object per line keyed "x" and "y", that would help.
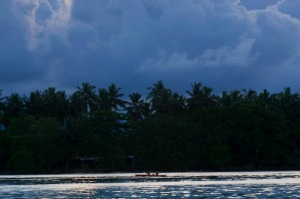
{"x": 148, "y": 174}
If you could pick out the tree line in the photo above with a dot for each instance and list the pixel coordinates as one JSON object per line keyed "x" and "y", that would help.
{"x": 97, "y": 130}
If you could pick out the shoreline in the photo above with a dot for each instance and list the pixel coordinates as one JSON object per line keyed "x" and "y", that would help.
{"x": 2, "y": 173}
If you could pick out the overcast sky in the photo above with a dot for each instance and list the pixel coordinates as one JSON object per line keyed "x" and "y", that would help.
{"x": 225, "y": 44}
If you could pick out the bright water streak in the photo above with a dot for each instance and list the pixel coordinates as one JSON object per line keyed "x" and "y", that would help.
{"x": 179, "y": 185}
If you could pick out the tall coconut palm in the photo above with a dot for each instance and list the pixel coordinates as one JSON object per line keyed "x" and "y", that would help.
{"x": 156, "y": 90}
{"x": 250, "y": 96}
{"x": 264, "y": 98}
{"x": 287, "y": 99}
{"x": 177, "y": 104}
{"x": 115, "y": 97}
{"x": 103, "y": 102}
{"x": 136, "y": 107}
{"x": 236, "y": 96}
{"x": 88, "y": 95}
{"x": 1, "y": 108}
{"x": 76, "y": 105}
{"x": 1, "y": 104}
{"x": 62, "y": 106}
{"x": 34, "y": 104}
{"x": 13, "y": 107}
{"x": 49, "y": 97}
{"x": 224, "y": 99}
{"x": 228, "y": 99}
{"x": 56, "y": 103}
{"x": 110, "y": 99}
{"x": 290, "y": 103}
{"x": 200, "y": 96}
{"x": 160, "y": 98}
{"x": 1, "y": 98}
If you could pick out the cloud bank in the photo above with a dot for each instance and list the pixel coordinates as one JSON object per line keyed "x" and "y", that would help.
{"x": 226, "y": 45}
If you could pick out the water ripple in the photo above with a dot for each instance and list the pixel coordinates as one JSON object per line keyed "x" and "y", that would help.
{"x": 179, "y": 185}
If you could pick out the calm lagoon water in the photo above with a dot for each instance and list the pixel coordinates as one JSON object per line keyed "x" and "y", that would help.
{"x": 175, "y": 185}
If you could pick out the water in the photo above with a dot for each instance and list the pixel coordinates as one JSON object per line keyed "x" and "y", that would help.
{"x": 175, "y": 185}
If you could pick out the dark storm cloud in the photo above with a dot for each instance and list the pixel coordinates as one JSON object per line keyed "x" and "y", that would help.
{"x": 16, "y": 62}
{"x": 224, "y": 44}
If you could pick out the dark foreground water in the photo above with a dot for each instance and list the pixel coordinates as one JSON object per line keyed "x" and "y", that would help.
{"x": 175, "y": 185}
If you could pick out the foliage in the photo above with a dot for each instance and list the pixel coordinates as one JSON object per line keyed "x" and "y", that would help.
{"x": 163, "y": 142}
{"x": 21, "y": 162}
{"x": 100, "y": 134}
{"x": 50, "y": 131}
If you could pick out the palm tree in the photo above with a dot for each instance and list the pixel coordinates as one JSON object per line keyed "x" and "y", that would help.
{"x": 287, "y": 99}
{"x": 250, "y": 96}
{"x": 62, "y": 105}
{"x": 200, "y": 96}
{"x": 148, "y": 110}
{"x": 178, "y": 104}
{"x": 34, "y": 104}
{"x": 88, "y": 96}
{"x": 49, "y": 97}
{"x": 1, "y": 98}
{"x": 115, "y": 95}
{"x": 224, "y": 99}
{"x": 1, "y": 105}
{"x": 160, "y": 98}
{"x": 110, "y": 99}
{"x": 229, "y": 99}
{"x": 103, "y": 102}
{"x": 13, "y": 107}
{"x": 136, "y": 107}
{"x": 264, "y": 98}
{"x": 156, "y": 89}
{"x": 236, "y": 96}
{"x": 289, "y": 103}
{"x": 56, "y": 103}
{"x": 76, "y": 105}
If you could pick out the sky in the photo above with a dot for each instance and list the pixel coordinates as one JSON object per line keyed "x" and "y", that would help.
{"x": 224, "y": 44}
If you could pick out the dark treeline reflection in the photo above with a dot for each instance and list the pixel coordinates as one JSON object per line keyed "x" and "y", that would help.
{"x": 98, "y": 130}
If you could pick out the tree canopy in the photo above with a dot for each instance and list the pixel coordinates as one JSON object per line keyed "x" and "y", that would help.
{"x": 52, "y": 131}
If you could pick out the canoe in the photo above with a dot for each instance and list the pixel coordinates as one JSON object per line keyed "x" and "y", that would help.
{"x": 151, "y": 175}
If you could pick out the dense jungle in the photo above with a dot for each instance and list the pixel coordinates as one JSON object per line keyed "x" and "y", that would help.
{"x": 102, "y": 130}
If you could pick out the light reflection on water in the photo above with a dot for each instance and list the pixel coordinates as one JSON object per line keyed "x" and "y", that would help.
{"x": 126, "y": 185}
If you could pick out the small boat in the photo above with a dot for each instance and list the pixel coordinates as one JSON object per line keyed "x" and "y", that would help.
{"x": 150, "y": 175}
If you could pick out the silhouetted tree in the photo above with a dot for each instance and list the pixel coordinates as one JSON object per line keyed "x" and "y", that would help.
{"x": 110, "y": 99}
{"x": 49, "y": 131}
{"x": 88, "y": 95}
{"x": 77, "y": 107}
{"x": 136, "y": 107}
{"x": 200, "y": 96}
{"x": 160, "y": 98}
{"x": 56, "y": 103}
{"x": 34, "y": 105}
{"x": 13, "y": 107}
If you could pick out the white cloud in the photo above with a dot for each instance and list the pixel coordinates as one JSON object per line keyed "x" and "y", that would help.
{"x": 239, "y": 55}
{"x": 41, "y": 19}
{"x": 226, "y": 56}
{"x": 290, "y": 7}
